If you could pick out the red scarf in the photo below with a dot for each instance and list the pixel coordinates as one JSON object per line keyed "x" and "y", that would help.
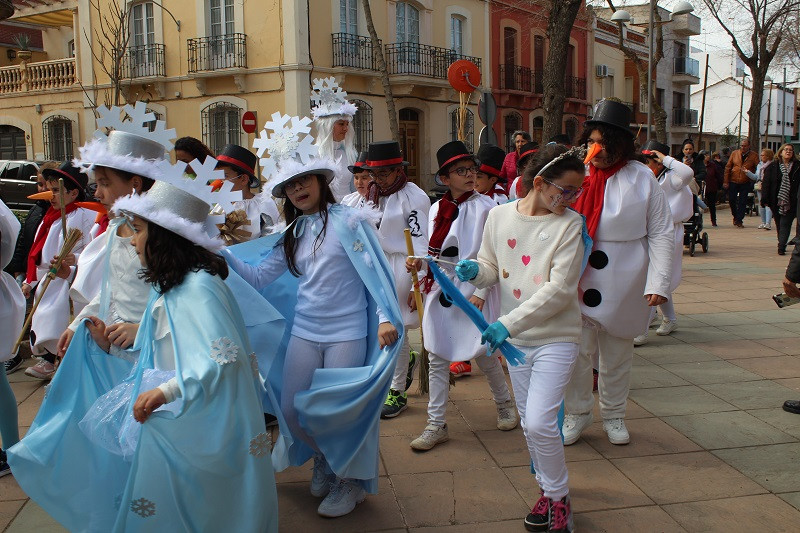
{"x": 520, "y": 192}
{"x": 102, "y": 221}
{"x": 374, "y": 192}
{"x": 590, "y": 203}
{"x": 497, "y": 189}
{"x": 35, "y": 255}
{"x": 447, "y": 213}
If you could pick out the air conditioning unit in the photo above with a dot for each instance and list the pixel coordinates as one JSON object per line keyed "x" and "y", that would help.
{"x": 601, "y": 71}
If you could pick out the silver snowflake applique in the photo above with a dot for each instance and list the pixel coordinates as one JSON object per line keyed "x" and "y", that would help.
{"x": 327, "y": 93}
{"x": 109, "y": 118}
{"x": 260, "y": 445}
{"x": 358, "y": 246}
{"x": 289, "y": 140}
{"x": 224, "y": 351}
{"x": 254, "y": 363}
{"x": 543, "y": 236}
{"x": 134, "y": 119}
{"x": 143, "y": 507}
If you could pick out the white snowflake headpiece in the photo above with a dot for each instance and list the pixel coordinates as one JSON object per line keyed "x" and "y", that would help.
{"x": 183, "y": 204}
{"x": 291, "y": 152}
{"x": 129, "y": 144}
{"x": 330, "y": 99}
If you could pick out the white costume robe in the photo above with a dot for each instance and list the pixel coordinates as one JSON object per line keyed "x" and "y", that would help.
{"x": 354, "y": 199}
{"x": 12, "y": 302}
{"x": 342, "y": 183}
{"x": 262, "y": 212}
{"x": 674, "y": 181}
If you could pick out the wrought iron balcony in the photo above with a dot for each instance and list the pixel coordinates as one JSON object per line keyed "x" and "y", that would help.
{"x": 575, "y": 87}
{"x": 219, "y": 52}
{"x": 422, "y": 60}
{"x": 143, "y": 62}
{"x": 353, "y": 51}
{"x": 685, "y": 117}
{"x": 519, "y": 78}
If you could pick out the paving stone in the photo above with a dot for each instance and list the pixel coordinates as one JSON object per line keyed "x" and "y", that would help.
{"x": 679, "y": 401}
{"x": 776, "y": 417}
{"x": 599, "y": 485}
{"x": 755, "y": 331}
{"x": 425, "y": 499}
{"x": 791, "y": 383}
{"x": 751, "y": 394}
{"x": 704, "y": 334}
{"x": 730, "y": 429}
{"x": 733, "y": 515}
{"x": 776, "y": 315}
{"x": 792, "y": 498}
{"x": 33, "y": 519}
{"x": 673, "y": 353}
{"x": 649, "y": 376}
{"x": 507, "y": 450}
{"x": 787, "y": 345}
{"x": 652, "y": 519}
{"x": 723, "y": 319}
{"x": 786, "y": 366}
{"x": 474, "y": 488}
{"x": 8, "y": 511}
{"x": 506, "y": 526}
{"x": 463, "y": 450}
{"x": 737, "y": 349}
{"x": 704, "y": 372}
{"x": 775, "y": 467}
{"x": 649, "y": 436}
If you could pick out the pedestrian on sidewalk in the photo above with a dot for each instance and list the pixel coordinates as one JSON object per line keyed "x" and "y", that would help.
{"x": 779, "y": 191}
{"x": 509, "y": 169}
{"x": 764, "y": 210}
{"x": 714, "y": 177}
{"x": 736, "y": 181}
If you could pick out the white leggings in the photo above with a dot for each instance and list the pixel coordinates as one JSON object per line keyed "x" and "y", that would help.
{"x": 303, "y": 357}
{"x": 539, "y": 386}
{"x": 401, "y": 367}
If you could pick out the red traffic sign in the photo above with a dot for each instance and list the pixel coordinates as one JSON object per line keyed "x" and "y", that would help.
{"x": 249, "y": 122}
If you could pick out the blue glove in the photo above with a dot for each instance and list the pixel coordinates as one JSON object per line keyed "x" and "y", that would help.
{"x": 467, "y": 270}
{"x": 495, "y": 334}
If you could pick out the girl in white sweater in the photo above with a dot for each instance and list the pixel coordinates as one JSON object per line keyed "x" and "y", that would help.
{"x": 534, "y": 249}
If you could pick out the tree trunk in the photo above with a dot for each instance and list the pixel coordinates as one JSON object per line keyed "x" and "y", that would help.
{"x": 559, "y": 25}
{"x": 754, "y": 112}
{"x": 381, "y": 61}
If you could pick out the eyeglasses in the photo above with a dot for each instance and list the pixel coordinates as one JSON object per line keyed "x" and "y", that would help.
{"x": 568, "y": 195}
{"x": 234, "y": 178}
{"x": 463, "y": 171}
{"x": 383, "y": 174}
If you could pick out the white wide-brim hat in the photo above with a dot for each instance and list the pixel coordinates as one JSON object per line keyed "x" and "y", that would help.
{"x": 175, "y": 210}
{"x": 122, "y": 150}
{"x": 291, "y": 169}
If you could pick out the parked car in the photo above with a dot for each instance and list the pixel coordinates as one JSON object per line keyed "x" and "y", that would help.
{"x": 17, "y": 182}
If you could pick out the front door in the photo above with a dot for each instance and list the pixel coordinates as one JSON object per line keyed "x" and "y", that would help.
{"x": 409, "y": 142}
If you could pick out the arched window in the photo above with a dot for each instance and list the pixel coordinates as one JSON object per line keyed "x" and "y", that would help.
{"x": 469, "y": 131}
{"x": 407, "y": 23}
{"x": 538, "y": 127}
{"x": 513, "y": 122}
{"x": 12, "y": 143}
{"x": 57, "y": 133}
{"x": 221, "y": 125}
{"x": 362, "y": 125}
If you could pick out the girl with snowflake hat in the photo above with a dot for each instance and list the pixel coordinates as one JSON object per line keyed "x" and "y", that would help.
{"x": 538, "y": 238}
{"x": 327, "y": 274}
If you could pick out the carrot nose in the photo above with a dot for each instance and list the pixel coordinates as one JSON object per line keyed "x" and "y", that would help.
{"x": 216, "y": 185}
{"x": 46, "y": 195}
{"x": 93, "y": 206}
{"x": 593, "y": 151}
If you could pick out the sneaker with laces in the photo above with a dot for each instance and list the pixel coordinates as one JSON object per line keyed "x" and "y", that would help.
{"x": 321, "y": 477}
{"x": 761, "y": 226}
{"x": 616, "y": 431}
{"x": 539, "y": 517}
{"x": 574, "y": 426}
{"x": 641, "y": 339}
{"x": 768, "y": 227}
{"x": 667, "y": 327}
{"x": 13, "y": 364}
{"x": 396, "y": 402}
{"x": 461, "y": 368}
{"x": 345, "y": 494}
{"x": 4, "y": 468}
{"x": 506, "y": 416}
{"x": 431, "y": 436}
{"x": 413, "y": 362}
{"x": 41, "y": 370}
{"x": 561, "y": 516}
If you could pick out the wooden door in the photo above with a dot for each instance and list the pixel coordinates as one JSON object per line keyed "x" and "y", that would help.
{"x": 409, "y": 142}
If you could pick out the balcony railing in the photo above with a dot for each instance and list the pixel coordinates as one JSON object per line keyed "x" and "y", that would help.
{"x": 143, "y": 62}
{"x": 422, "y": 59}
{"x": 684, "y": 117}
{"x": 575, "y": 87}
{"x": 353, "y": 51}
{"x": 519, "y": 78}
{"x": 39, "y": 76}
{"x": 213, "y": 53}
{"x": 687, "y": 66}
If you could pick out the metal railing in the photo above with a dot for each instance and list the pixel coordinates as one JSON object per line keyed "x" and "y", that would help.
{"x": 687, "y": 66}
{"x": 353, "y": 51}
{"x": 143, "y": 61}
{"x": 212, "y": 53}
{"x": 575, "y": 87}
{"x": 684, "y": 117}
{"x": 422, "y": 59}
{"x": 518, "y": 78}
{"x": 40, "y": 76}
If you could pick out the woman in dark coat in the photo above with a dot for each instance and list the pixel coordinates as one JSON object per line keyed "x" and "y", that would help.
{"x": 783, "y": 205}
{"x": 713, "y": 179}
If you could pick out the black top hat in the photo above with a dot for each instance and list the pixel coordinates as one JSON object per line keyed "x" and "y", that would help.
{"x": 241, "y": 159}
{"x": 612, "y": 113}
{"x": 384, "y": 154}
{"x": 358, "y": 166}
{"x": 450, "y": 153}
{"x": 527, "y": 150}
{"x": 490, "y": 158}
{"x": 69, "y": 173}
{"x": 655, "y": 145}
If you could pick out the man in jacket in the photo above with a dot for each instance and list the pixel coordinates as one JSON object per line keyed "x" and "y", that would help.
{"x": 790, "y": 288}
{"x": 737, "y": 183}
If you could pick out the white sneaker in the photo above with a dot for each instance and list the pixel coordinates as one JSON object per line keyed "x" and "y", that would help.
{"x": 321, "y": 477}
{"x": 616, "y": 431}
{"x": 666, "y": 327}
{"x": 761, "y": 226}
{"x": 506, "y": 416}
{"x": 768, "y": 227}
{"x": 574, "y": 426}
{"x": 345, "y": 494}
{"x": 655, "y": 320}
{"x": 431, "y": 436}
{"x": 641, "y": 339}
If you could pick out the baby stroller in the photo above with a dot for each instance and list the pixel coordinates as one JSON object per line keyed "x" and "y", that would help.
{"x": 693, "y": 233}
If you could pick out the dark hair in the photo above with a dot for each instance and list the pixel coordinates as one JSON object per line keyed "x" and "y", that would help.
{"x": 525, "y": 135}
{"x": 170, "y": 257}
{"x": 555, "y": 171}
{"x": 69, "y": 185}
{"x": 292, "y": 213}
{"x": 128, "y": 176}
{"x": 687, "y": 141}
{"x": 617, "y": 143}
{"x": 194, "y": 147}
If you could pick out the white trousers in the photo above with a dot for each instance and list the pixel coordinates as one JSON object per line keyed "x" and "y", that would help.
{"x": 614, "y": 359}
{"x": 539, "y": 386}
{"x": 439, "y": 384}
{"x": 401, "y": 369}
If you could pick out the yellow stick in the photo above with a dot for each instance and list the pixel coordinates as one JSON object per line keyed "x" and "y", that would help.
{"x": 423, "y": 366}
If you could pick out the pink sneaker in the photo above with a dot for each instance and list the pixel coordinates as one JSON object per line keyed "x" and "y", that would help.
{"x": 41, "y": 370}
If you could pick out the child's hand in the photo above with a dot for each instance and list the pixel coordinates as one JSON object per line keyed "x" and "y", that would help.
{"x": 146, "y": 403}
{"x": 26, "y": 290}
{"x": 654, "y": 299}
{"x": 64, "y": 271}
{"x": 494, "y": 334}
{"x": 413, "y": 264}
{"x": 63, "y": 342}
{"x": 122, "y": 334}
{"x": 411, "y": 301}
{"x": 477, "y": 302}
{"x": 97, "y": 329}
{"x": 387, "y": 334}
{"x": 467, "y": 270}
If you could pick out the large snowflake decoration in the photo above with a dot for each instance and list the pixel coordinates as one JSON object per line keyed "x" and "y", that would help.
{"x": 134, "y": 119}
{"x": 224, "y": 351}
{"x": 329, "y": 99}
{"x": 289, "y": 140}
{"x": 143, "y": 507}
{"x": 260, "y": 445}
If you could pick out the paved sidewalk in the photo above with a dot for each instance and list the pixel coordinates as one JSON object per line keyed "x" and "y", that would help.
{"x": 711, "y": 449}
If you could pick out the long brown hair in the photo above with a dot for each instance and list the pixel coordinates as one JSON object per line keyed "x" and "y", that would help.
{"x": 292, "y": 213}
